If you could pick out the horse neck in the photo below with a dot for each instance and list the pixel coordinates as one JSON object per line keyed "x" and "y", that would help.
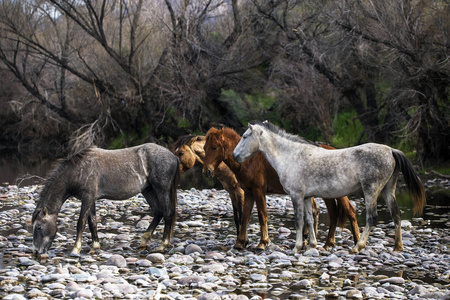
{"x": 197, "y": 148}
{"x": 55, "y": 193}
{"x": 276, "y": 148}
{"x": 231, "y": 139}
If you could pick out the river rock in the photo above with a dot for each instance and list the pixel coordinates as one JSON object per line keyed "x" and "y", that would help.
{"x": 192, "y": 248}
{"x": 117, "y": 260}
{"x": 393, "y": 280}
{"x": 312, "y": 252}
{"x": 157, "y": 271}
{"x": 192, "y": 279}
{"x": 156, "y": 258}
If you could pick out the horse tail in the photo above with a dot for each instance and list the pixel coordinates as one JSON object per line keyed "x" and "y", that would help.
{"x": 413, "y": 182}
{"x": 173, "y": 195}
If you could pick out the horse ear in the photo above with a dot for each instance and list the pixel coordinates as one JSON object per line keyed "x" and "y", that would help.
{"x": 250, "y": 126}
{"x": 191, "y": 141}
{"x": 44, "y": 212}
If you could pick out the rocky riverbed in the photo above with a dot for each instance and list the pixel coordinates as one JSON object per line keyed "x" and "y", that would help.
{"x": 201, "y": 264}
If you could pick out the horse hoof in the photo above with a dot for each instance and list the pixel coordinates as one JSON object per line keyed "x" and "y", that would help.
{"x": 261, "y": 246}
{"x": 328, "y": 246}
{"x": 355, "y": 249}
{"x": 297, "y": 250}
{"x": 398, "y": 249}
{"x": 238, "y": 246}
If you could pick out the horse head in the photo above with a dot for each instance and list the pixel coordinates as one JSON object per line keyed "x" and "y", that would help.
{"x": 44, "y": 229}
{"x": 189, "y": 150}
{"x": 215, "y": 147}
{"x": 249, "y": 144}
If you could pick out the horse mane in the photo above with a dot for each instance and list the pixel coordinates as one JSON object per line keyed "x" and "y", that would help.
{"x": 61, "y": 166}
{"x": 186, "y": 139}
{"x": 281, "y": 132}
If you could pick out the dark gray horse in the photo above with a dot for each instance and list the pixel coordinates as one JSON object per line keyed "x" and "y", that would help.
{"x": 306, "y": 170}
{"x": 96, "y": 173}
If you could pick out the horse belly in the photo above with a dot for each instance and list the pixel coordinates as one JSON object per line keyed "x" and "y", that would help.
{"x": 335, "y": 184}
{"x": 329, "y": 190}
{"x": 121, "y": 189}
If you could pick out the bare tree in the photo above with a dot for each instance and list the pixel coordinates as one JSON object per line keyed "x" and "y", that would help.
{"x": 388, "y": 59}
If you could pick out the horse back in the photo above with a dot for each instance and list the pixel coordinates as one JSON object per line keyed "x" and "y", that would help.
{"x": 123, "y": 173}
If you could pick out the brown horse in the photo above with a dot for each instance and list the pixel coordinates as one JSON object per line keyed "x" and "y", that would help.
{"x": 190, "y": 151}
{"x": 257, "y": 178}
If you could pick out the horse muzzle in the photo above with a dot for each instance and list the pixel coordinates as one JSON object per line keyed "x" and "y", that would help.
{"x": 237, "y": 158}
{"x": 209, "y": 172}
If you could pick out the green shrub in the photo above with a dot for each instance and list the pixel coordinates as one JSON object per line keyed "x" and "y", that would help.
{"x": 347, "y": 128}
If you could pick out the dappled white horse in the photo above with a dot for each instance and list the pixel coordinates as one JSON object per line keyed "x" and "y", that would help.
{"x": 306, "y": 170}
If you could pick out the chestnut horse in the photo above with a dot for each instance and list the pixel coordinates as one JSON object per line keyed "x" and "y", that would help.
{"x": 190, "y": 152}
{"x": 257, "y": 178}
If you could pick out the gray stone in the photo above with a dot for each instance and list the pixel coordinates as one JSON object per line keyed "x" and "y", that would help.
{"x": 156, "y": 258}
{"x": 214, "y": 268}
{"x": 192, "y": 248}
{"x": 117, "y": 260}
{"x": 257, "y": 277}
{"x": 192, "y": 279}
{"x": 84, "y": 293}
{"x": 158, "y": 272}
{"x": 393, "y": 280}
{"x": 312, "y": 252}
{"x": 354, "y": 294}
{"x": 209, "y": 296}
{"x": 302, "y": 284}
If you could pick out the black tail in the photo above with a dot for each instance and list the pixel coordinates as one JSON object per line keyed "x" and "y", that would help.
{"x": 413, "y": 182}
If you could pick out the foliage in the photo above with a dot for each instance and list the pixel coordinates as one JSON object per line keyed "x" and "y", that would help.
{"x": 123, "y": 72}
{"x": 347, "y": 128}
{"x": 249, "y": 107}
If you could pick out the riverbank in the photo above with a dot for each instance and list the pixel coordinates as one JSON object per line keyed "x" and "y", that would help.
{"x": 201, "y": 263}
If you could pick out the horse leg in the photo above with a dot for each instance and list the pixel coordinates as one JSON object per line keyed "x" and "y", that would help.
{"x": 260, "y": 199}
{"x": 169, "y": 220}
{"x": 92, "y": 222}
{"x": 151, "y": 198}
{"x": 168, "y": 223}
{"x": 237, "y": 202}
{"x": 332, "y": 209}
{"x": 388, "y": 194}
{"x": 86, "y": 208}
{"x": 242, "y": 238}
{"x": 298, "y": 203}
{"x": 350, "y": 212}
{"x": 371, "y": 219}
{"x": 309, "y": 218}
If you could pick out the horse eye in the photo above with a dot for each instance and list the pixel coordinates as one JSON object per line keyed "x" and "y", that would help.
{"x": 214, "y": 148}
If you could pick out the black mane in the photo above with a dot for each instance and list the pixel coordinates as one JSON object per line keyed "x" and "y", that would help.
{"x": 184, "y": 140}
{"x": 275, "y": 129}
